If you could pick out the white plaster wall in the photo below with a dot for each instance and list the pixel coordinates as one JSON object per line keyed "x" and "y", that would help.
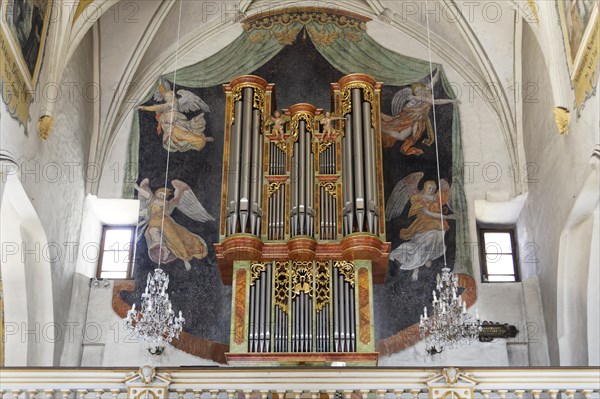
{"x": 96, "y": 213}
{"x": 114, "y": 170}
{"x": 496, "y": 302}
{"x": 53, "y": 171}
{"x": 476, "y": 354}
{"x": 121, "y": 28}
{"x": 107, "y": 342}
{"x": 562, "y": 164}
{"x": 28, "y": 308}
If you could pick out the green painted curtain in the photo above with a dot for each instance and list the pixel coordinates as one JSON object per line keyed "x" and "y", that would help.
{"x": 349, "y": 50}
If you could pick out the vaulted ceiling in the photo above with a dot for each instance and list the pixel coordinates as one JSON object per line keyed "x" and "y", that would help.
{"x": 137, "y": 41}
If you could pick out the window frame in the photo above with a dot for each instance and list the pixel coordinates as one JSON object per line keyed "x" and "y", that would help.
{"x": 105, "y": 228}
{"x": 481, "y": 230}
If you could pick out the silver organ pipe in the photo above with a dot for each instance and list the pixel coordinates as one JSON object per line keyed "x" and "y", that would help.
{"x": 302, "y": 175}
{"x": 358, "y": 159}
{"x": 234, "y": 166}
{"x": 369, "y": 167}
{"x": 255, "y": 167}
{"x": 313, "y": 178}
{"x": 291, "y": 305}
{"x": 246, "y": 161}
{"x": 295, "y": 192}
{"x": 245, "y": 155}
{"x": 348, "y": 179}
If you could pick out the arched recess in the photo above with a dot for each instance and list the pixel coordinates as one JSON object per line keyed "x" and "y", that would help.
{"x": 577, "y": 287}
{"x": 28, "y": 326}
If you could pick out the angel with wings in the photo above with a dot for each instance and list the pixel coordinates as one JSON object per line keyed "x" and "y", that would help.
{"x": 277, "y": 121}
{"x": 410, "y": 109}
{"x": 425, "y": 235}
{"x": 329, "y": 133}
{"x": 175, "y": 242}
{"x": 179, "y": 133}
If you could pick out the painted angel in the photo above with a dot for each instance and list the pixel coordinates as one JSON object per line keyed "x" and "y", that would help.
{"x": 328, "y": 131}
{"x": 175, "y": 242}
{"x": 410, "y": 116}
{"x": 425, "y": 235}
{"x": 179, "y": 133}
{"x": 277, "y": 121}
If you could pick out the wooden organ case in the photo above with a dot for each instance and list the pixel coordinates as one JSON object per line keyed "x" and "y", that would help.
{"x": 302, "y": 236}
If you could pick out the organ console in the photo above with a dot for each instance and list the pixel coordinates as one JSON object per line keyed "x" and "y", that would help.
{"x": 302, "y": 237}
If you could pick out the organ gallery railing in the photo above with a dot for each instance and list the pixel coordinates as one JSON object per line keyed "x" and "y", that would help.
{"x": 302, "y": 195}
{"x": 228, "y": 383}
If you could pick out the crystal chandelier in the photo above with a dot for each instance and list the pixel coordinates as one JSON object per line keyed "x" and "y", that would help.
{"x": 450, "y": 325}
{"x": 155, "y": 323}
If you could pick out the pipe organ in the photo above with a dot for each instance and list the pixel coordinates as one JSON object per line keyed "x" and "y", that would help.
{"x": 301, "y": 240}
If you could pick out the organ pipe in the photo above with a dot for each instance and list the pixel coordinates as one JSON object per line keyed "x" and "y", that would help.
{"x": 300, "y": 177}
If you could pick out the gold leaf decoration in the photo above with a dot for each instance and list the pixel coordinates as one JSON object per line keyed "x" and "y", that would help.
{"x": 322, "y": 37}
{"x": 347, "y": 270}
{"x": 256, "y": 269}
{"x": 286, "y": 36}
{"x": 306, "y": 16}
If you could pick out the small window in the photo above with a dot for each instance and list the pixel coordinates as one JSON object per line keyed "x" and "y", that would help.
{"x": 498, "y": 255}
{"x": 116, "y": 252}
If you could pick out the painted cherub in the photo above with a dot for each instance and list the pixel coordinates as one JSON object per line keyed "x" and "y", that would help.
{"x": 277, "y": 121}
{"x": 329, "y": 133}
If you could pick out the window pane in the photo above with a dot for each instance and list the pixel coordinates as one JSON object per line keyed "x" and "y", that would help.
{"x": 115, "y": 261}
{"x": 117, "y": 239}
{"x": 501, "y": 278}
{"x": 500, "y": 264}
{"x": 113, "y": 275}
{"x": 497, "y": 243}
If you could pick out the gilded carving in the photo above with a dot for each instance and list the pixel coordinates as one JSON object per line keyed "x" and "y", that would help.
{"x": 281, "y": 291}
{"x": 273, "y": 187}
{"x": 347, "y": 270}
{"x": 330, "y": 188}
{"x": 296, "y": 118}
{"x": 255, "y": 270}
{"x": 323, "y": 145}
{"x": 302, "y": 278}
{"x": 368, "y": 94}
{"x": 562, "y": 118}
{"x": 322, "y": 285}
{"x": 258, "y": 98}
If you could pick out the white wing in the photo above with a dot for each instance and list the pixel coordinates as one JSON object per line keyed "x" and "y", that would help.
{"x": 186, "y": 202}
{"x": 401, "y": 195}
{"x": 188, "y": 101}
{"x": 400, "y": 99}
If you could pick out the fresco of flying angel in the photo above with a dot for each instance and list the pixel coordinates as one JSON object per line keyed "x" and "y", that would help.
{"x": 177, "y": 241}
{"x": 179, "y": 133}
{"x": 410, "y": 116}
{"x": 425, "y": 235}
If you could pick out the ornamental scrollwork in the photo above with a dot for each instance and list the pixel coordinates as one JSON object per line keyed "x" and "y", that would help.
{"x": 346, "y": 269}
{"x": 255, "y": 270}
